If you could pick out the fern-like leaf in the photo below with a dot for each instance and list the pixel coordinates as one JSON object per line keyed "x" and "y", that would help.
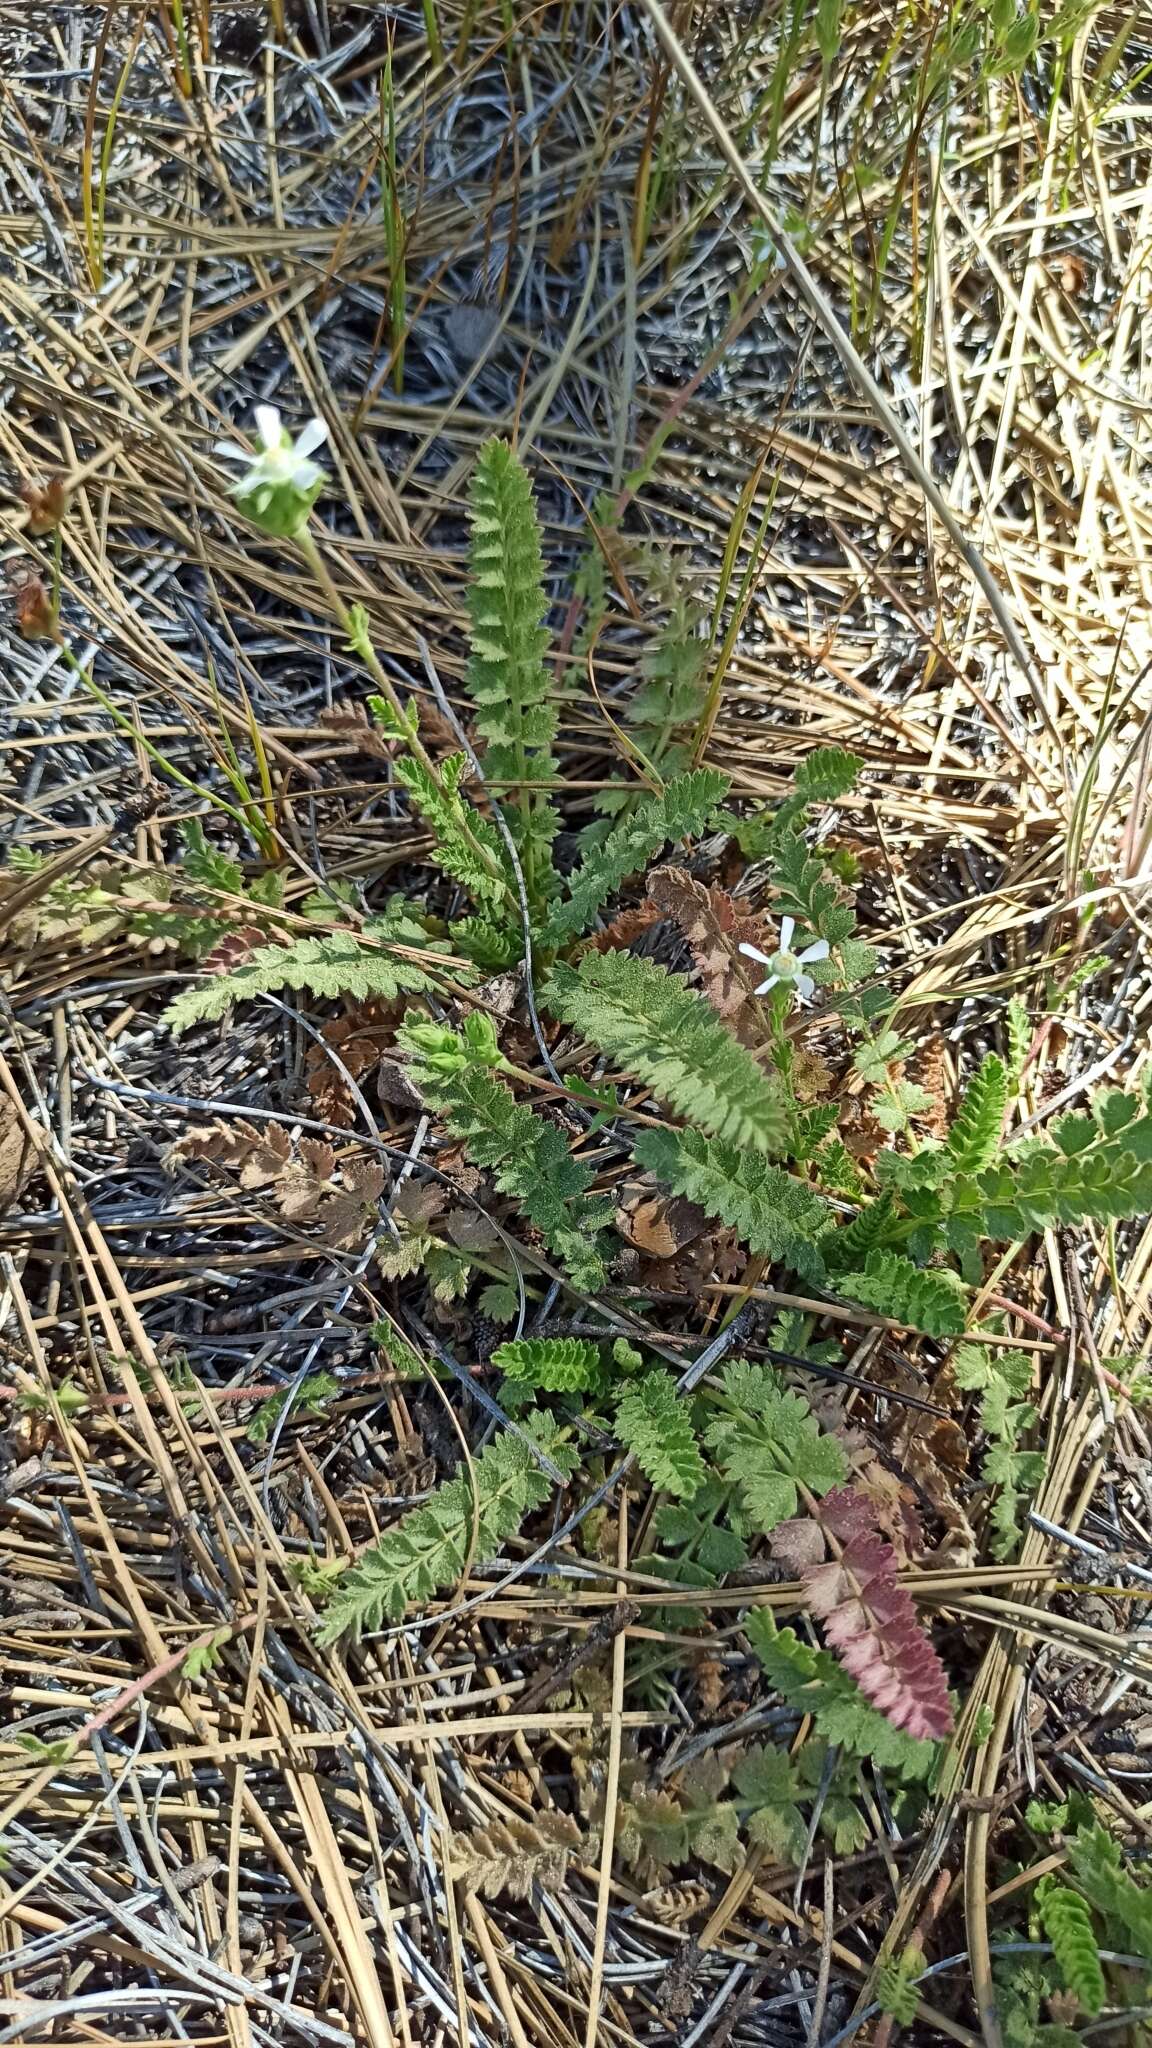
{"x": 871, "y": 1623}
{"x": 459, "y": 830}
{"x": 1067, "y": 1922}
{"x": 1108, "y": 1182}
{"x": 925, "y": 1299}
{"x": 513, "y": 1854}
{"x": 875, "y": 1228}
{"x": 769, "y": 1786}
{"x": 662, "y": 1031}
{"x": 680, "y": 812}
{"x": 1096, "y": 1861}
{"x": 896, "y": 1991}
{"x": 975, "y": 1136}
{"x": 826, "y": 774}
{"x": 780, "y": 1218}
{"x": 528, "y": 1157}
{"x": 429, "y": 1547}
{"x": 337, "y": 965}
{"x": 556, "y": 1365}
{"x": 506, "y": 674}
{"x": 653, "y": 1421}
{"x": 813, "y": 1683}
{"x": 769, "y": 1443}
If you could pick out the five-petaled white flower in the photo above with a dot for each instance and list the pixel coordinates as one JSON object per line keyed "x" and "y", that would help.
{"x": 281, "y": 484}
{"x": 787, "y": 966}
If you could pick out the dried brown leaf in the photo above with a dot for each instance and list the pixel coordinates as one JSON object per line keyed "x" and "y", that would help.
{"x": 258, "y": 1153}
{"x": 672, "y": 1904}
{"x": 715, "y": 930}
{"x": 417, "y": 1202}
{"x": 472, "y": 1230}
{"x": 358, "y": 1041}
{"x": 351, "y": 722}
{"x": 317, "y": 1158}
{"x": 233, "y": 949}
{"x": 513, "y": 1855}
{"x": 657, "y": 1224}
{"x": 301, "y": 1179}
{"x": 797, "y": 1544}
{"x": 17, "y": 1158}
{"x": 627, "y": 926}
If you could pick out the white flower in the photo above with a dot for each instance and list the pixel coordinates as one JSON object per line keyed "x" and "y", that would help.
{"x": 786, "y": 966}
{"x": 281, "y": 484}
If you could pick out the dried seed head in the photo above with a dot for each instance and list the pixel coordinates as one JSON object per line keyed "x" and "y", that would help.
{"x": 36, "y": 615}
{"x": 47, "y": 504}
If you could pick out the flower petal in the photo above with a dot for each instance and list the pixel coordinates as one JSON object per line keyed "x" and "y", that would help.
{"x": 754, "y": 953}
{"x": 268, "y": 426}
{"x": 311, "y": 436}
{"x": 233, "y": 451}
{"x": 803, "y": 986}
{"x": 766, "y": 985}
{"x": 787, "y": 927}
{"x": 818, "y": 950}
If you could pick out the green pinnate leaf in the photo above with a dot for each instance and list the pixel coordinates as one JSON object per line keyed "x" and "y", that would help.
{"x": 1096, "y": 1862}
{"x": 506, "y": 675}
{"x": 528, "y": 1157}
{"x": 778, "y": 1216}
{"x": 203, "y": 1657}
{"x": 428, "y": 1548}
{"x": 462, "y": 836}
{"x": 896, "y": 1991}
{"x": 930, "y": 1299}
{"x": 826, "y": 774}
{"x": 311, "y": 1398}
{"x": 680, "y": 811}
{"x": 337, "y": 965}
{"x": 204, "y": 864}
{"x": 653, "y": 1421}
{"x": 1067, "y": 1922}
{"x": 556, "y": 1365}
{"x": 976, "y": 1135}
{"x": 669, "y": 1037}
{"x": 877, "y": 1226}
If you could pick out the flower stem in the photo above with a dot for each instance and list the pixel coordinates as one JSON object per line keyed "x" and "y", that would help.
{"x": 306, "y": 541}
{"x": 162, "y": 761}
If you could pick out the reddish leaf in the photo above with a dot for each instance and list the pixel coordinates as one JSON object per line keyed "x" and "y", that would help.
{"x": 870, "y": 1621}
{"x": 233, "y": 949}
{"x": 798, "y": 1544}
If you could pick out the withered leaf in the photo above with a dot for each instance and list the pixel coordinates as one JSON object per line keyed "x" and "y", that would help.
{"x": 658, "y": 1224}
{"x": 512, "y": 1855}
{"x": 673, "y": 1904}
{"x": 798, "y": 1544}
{"x": 472, "y": 1230}
{"x": 715, "y": 930}
{"x": 17, "y": 1158}
{"x": 350, "y": 1047}
{"x": 300, "y": 1179}
{"x": 417, "y": 1202}
{"x": 259, "y": 1153}
{"x": 627, "y": 926}
{"x": 233, "y": 949}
